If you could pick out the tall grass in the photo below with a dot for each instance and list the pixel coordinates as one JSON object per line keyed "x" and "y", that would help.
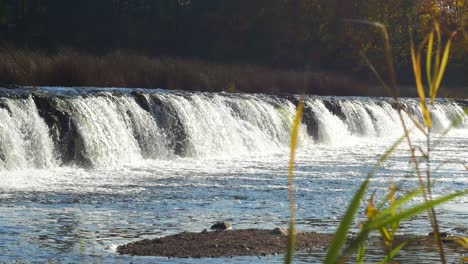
{"x": 387, "y": 220}
{"x": 127, "y": 69}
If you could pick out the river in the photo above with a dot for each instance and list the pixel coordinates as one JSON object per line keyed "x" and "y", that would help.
{"x": 83, "y": 170}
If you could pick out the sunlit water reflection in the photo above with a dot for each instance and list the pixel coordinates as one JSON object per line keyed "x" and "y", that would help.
{"x": 68, "y": 214}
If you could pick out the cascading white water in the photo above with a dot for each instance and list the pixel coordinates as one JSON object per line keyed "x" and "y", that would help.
{"x": 11, "y": 140}
{"x": 106, "y": 138}
{"x": 219, "y": 125}
{"x": 449, "y": 112}
{"x": 331, "y": 129}
{"x": 24, "y": 136}
{"x": 357, "y": 118}
{"x": 111, "y": 129}
{"x": 442, "y": 114}
{"x": 386, "y": 119}
{"x": 115, "y": 130}
{"x": 144, "y": 129}
{"x": 439, "y": 119}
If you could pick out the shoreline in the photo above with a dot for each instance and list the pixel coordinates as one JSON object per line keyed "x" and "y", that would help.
{"x": 119, "y": 68}
{"x": 124, "y": 69}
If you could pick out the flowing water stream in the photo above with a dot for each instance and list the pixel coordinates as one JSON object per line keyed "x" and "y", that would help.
{"x": 83, "y": 170}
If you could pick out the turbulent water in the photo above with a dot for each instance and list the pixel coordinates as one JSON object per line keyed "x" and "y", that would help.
{"x": 84, "y": 170}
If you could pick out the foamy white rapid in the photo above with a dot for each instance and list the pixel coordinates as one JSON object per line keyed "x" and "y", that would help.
{"x": 109, "y": 128}
{"x": 24, "y": 136}
{"x": 84, "y": 170}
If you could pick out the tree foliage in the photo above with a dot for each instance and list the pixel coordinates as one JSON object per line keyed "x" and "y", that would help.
{"x": 301, "y": 34}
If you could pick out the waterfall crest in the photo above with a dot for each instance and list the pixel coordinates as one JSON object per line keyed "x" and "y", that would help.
{"x": 99, "y": 128}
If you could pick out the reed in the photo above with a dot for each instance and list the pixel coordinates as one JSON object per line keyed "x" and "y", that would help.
{"x": 386, "y": 220}
{"x": 294, "y": 136}
{"x": 129, "y": 69}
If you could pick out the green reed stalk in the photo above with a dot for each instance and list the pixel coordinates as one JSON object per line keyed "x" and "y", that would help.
{"x": 383, "y": 219}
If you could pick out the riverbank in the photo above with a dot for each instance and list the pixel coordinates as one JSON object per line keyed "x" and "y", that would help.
{"x": 123, "y": 69}
{"x": 256, "y": 242}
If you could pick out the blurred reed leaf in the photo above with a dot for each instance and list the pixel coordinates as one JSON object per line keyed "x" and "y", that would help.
{"x": 392, "y": 253}
{"x": 294, "y": 135}
{"x": 339, "y": 239}
{"x": 416, "y": 61}
{"x": 383, "y": 220}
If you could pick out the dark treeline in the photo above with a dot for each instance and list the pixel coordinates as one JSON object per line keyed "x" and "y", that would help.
{"x": 311, "y": 35}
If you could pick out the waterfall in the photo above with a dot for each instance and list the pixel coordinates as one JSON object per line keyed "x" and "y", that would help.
{"x": 107, "y": 128}
{"x": 24, "y": 136}
{"x": 357, "y": 118}
{"x": 385, "y": 119}
{"x": 445, "y": 114}
{"x": 115, "y": 130}
{"x": 221, "y": 125}
{"x": 331, "y": 129}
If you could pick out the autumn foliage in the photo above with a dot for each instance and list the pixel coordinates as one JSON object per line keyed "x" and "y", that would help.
{"x": 298, "y": 35}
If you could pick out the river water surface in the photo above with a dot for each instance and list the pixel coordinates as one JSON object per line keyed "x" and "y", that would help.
{"x": 85, "y": 170}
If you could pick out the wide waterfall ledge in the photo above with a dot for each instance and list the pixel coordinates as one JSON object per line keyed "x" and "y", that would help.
{"x": 45, "y": 127}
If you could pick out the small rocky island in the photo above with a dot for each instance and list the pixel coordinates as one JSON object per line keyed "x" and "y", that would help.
{"x": 222, "y": 242}
{"x": 247, "y": 242}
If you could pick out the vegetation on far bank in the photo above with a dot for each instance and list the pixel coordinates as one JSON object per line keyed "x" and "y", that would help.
{"x": 125, "y": 69}
{"x": 296, "y": 36}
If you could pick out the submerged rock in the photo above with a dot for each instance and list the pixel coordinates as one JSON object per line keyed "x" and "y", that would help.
{"x": 441, "y": 234}
{"x": 460, "y": 230}
{"x": 280, "y": 231}
{"x": 220, "y": 226}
